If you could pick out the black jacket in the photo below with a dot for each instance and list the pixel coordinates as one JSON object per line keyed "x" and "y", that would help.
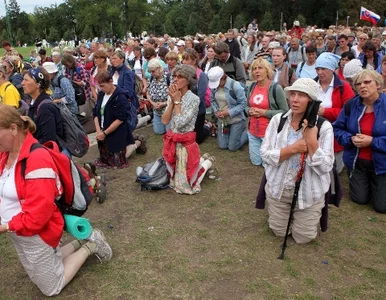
{"x": 234, "y": 48}
{"x": 47, "y": 118}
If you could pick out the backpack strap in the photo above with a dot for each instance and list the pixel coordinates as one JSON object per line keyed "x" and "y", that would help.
{"x": 250, "y": 90}
{"x": 301, "y": 67}
{"x": 283, "y": 118}
{"x": 43, "y": 102}
{"x": 7, "y": 86}
{"x": 168, "y": 79}
{"x": 290, "y": 73}
{"x": 281, "y": 123}
{"x": 274, "y": 87}
{"x": 231, "y": 91}
{"x": 59, "y": 80}
{"x": 24, "y": 161}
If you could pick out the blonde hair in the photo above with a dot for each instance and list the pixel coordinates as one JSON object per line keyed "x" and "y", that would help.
{"x": 261, "y": 62}
{"x": 370, "y": 73}
{"x": 9, "y": 115}
{"x": 155, "y": 63}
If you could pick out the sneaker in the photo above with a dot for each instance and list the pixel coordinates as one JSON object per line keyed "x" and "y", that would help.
{"x": 103, "y": 250}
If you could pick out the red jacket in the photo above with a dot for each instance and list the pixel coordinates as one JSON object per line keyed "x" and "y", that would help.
{"x": 188, "y": 140}
{"x": 36, "y": 193}
{"x": 340, "y": 95}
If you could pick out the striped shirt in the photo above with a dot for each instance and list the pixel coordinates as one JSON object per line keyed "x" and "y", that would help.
{"x": 282, "y": 175}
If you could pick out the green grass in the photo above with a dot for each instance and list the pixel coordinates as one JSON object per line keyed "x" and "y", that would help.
{"x": 214, "y": 245}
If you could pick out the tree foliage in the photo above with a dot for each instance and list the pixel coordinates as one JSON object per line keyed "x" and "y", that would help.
{"x": 92, "y": 18}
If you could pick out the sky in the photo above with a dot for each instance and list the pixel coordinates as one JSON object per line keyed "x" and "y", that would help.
{"x": 29, "y": 5}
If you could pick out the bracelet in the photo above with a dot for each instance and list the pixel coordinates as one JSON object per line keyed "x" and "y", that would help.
{"x": 177, "y": 102}
{"x": 104, "y": 133}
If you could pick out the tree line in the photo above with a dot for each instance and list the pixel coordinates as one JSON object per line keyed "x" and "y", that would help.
{"x": 91, "y": 18}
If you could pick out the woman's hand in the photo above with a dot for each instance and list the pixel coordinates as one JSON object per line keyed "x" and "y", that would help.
{"x": 222, "y": 113}
{"x": 310, "y": 134}
{"x": 321, "y": 111}
{"x": 256, "y": 112}
{"x": 174, "y": 93}
{"x": 100, "y": 136}
{"x": 80, "y": 82}
{"x": 361, "y": 140}
{"x": 300, "y": 146}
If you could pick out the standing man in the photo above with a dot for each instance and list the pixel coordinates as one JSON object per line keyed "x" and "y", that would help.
{"x": 296, "y": 30}
{"x": 264, "y": 51}
{"x": 234, "y": 47}
{"x": 283, "y": 74}
{"x": 343, "y": 45}
{"x": 296, "y": 53}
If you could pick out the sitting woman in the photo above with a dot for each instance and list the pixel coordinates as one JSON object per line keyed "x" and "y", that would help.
{"x": 111, "y": 112}
{"x": 180, "y": 151}
{"x": 228, "y": 103}
{"x": 28, "y": 213}
{"x": 360, "y": 129}
{"x": 282, "y": 151}
{"x": 157, "y": 94}
{"x": 265, "y": 100}
{"x": 8, "y": 93}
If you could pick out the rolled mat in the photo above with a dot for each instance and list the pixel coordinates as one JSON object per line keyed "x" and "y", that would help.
{"x": 79, "y": 228}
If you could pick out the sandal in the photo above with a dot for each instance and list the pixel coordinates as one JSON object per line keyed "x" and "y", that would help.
{"x": 142, "y": 149}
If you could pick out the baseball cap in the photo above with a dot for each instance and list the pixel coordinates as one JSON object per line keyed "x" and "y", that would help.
{"x": 180, "y": 43}
{"x": 214, "y": 75}
{"x": 50, "y": 67}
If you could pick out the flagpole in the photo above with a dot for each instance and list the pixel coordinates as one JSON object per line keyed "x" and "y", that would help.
{"x": 337, "y": 18}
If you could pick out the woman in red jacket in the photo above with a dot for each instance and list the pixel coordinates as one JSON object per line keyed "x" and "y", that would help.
{"x": 334, "y": 93}
{"x": 28, "y": 212}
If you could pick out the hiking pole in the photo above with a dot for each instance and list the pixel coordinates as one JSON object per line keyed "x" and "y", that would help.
{"x": 294, "y": 199}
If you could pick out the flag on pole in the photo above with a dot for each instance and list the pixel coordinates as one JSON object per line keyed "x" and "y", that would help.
{"x": 370, "y": 16}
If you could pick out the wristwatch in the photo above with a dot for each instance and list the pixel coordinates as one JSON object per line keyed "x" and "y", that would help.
{"x": 177, "y": 102}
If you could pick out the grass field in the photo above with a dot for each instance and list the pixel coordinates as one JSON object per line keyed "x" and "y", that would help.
{"x": 214, "y": 245}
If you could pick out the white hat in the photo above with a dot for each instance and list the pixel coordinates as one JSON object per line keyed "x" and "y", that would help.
{"x": 384, "y": 33}
{"x": 50, "y": 67}
{"x": 274, "y": 45}
{"x": 214, "y": 75}
{"x": 296, "y": 23}
{"x": 305, "y": 85}
{"x": 180, "y": 43}
{"x": 352, "y": 68}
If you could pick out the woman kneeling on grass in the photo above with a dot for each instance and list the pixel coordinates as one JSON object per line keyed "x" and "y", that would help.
{"x": 180, "y": 151}
{"x": 281, "y": 153}
{"x": 28, "y": 212}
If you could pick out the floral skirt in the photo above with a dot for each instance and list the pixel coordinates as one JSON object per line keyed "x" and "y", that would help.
{"x": 110, "y": 160}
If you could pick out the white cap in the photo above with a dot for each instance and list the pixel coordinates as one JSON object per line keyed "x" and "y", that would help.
{"x": 384, "y": 33}
{"x": 214, "y": 75}
{"x": 180, "y": 43}
{"x": 274, "y": 45}
{"x": 50, "y": 67}
{"x": 305, "y": 85}
{"x": 296, "y": 23}
{"x": 352, "y": 68}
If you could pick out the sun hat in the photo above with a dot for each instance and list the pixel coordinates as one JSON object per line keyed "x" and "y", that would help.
{"x": 214, "y": 75}
{"x": 352, "y": 68}
{"x": 327, "y": 60}
{"x": 180, "y": 43}
{"x": 305, "y": 85}
{"x": 50, "y": 67}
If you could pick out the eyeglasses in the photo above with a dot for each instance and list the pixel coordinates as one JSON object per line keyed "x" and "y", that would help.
{"x": 365, "y": 82}
{"x": 178, "y": 76}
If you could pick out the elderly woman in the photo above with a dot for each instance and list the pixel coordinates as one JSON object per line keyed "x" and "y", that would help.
{"x": 180, "y": 151}
{"x": 28, "y": 213}
{"x": 282, "y": 151}
{"x": 228, "y": 103}
{"x": 265, "y": 99}
{"x": 110, "y": 117}
{"x": 63, "y": 91}
{"x": 123, "y": 76}
{"x": 360, "y": 129}
{"x": 157, "y": 94}
{"x": 8, "y": 92}
{"x": 333, "y": 93}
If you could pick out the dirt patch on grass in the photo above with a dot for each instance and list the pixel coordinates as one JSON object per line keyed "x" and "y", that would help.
{"x": 214, "y": 245}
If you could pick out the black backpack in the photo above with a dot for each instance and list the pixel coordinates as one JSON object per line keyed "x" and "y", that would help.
{"x": 153, "y": 176}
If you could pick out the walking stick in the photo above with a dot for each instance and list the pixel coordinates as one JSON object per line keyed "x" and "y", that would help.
{"x": 299, "y": 177}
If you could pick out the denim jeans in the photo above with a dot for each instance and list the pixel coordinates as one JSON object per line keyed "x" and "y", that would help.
{"x": 254, "y": 149}
{"x": 235, "y": 138}
{"x": 158, "y": 127}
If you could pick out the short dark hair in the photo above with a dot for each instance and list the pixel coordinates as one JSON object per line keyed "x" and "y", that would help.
{"x": 369, "y": 46}
{"x": 103, "y": 77}
{"x": 310, "y": 49}
{"x": 162, "y": 51}
{"x": 149, "y": 52}
{"x": 343, "y": 36}
{"x": 42, "y": 52}
{"x": 137, "y": 48}
{"x": 6, "y": 43}
{"x": 349, "y": 54}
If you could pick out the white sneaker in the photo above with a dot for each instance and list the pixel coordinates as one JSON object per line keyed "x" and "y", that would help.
{"x": 103, "y": 250}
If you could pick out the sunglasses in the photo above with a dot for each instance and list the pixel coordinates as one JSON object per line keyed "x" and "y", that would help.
{"x": 365, "y": 82}
{"x": 178, "y": 76}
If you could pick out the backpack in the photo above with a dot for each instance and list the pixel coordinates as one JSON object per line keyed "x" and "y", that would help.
{"x": 138, "y": 85}
{"x": 74, "y": 138}
{"x": 302, "y": 50}
{"x": 153, "y": 176}
{"x": 80, "y": 93}
{"x": 23, "y": 106}
{"x": 77, "y": 194}
{"x": 132, "y": 120}
{"x": 232, "y": 92}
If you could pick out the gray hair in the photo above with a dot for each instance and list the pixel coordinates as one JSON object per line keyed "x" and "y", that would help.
{"x": 155, "y": 63}
{"x": 188, "y": 72}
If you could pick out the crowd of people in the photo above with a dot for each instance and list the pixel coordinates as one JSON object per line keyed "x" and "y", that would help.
{"x": 244, "y": 87}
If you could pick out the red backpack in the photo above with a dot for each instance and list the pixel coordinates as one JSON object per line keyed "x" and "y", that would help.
{"x": 77, "y": 194}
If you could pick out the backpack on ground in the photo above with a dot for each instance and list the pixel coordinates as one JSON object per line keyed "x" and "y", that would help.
{"x": 77, "y": 194}
{"x": 74, "y": 137}
{"x": 153, "y": 176}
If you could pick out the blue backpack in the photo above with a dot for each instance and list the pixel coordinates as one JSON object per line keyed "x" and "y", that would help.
{"x": 132, "y": 120}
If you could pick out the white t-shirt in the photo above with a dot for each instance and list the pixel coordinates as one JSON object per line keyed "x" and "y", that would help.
{"x": 106, "y": 98}
{"x": 138, "y": 68}
{"x": 9, "y": 201}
